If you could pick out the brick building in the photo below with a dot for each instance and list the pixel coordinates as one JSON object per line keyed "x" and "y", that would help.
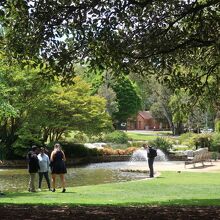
{"x": 145, "y": 121}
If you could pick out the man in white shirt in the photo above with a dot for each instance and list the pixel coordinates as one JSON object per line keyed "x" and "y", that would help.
{"x": 44, "y": 164}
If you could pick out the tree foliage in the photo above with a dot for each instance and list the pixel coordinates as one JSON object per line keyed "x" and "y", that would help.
{"x": 33, "y": 110}
{"x": 129, "y": 101}
{"x": 138, "y": 36}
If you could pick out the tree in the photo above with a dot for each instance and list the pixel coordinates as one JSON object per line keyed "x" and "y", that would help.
{"x": 129, "y": 101}
{"x": 160, "y": 107}
{"x": 72, "y": 108}
{"x": 144, "y": 37}
{"x": 33, "y": 110}
{"x": 110, "y": 96}
{"x": 21, "y": 90}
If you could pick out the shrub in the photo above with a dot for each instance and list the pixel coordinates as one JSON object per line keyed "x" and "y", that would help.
{"x": 118, "y": 137}
{"x": 202, "y": 140}
{"x": 215, "y": 155}
{"x": 73, "y": 150}
{"x": 130, "y": 150}
{"x": 215, "y": 142}
{"x": 110, "y": 151}
{"x": 185, "y": 138}
{"x": 137, "y": 144}
{"x": 217, "y": 126}
{"x": 162, "y": 144}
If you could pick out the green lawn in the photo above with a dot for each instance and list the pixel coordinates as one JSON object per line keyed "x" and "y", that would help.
{"x": 171, "y": 188}
{"x": 141, "y": 137}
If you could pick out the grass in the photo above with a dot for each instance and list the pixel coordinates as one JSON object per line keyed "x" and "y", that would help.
{"x": 171, "y": 188}
{"x": 141, "y": 137}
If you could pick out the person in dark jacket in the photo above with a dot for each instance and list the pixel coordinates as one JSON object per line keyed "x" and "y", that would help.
{"x": 1, "y": 193}
{"x": 151, "y": 154}
{"x": 33, "y": 167}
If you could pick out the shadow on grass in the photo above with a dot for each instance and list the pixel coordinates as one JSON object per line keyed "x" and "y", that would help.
{"x": 168, "y": 202}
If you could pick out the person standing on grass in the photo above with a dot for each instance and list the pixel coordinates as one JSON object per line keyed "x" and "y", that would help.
{"x": 33, "y": 167}
{"x": 58, "y": 167}
{"x": 44, "y": 164}
{"x": 151, "y": 154}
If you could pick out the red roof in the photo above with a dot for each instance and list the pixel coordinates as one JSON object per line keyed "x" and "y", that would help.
{"x": 145, "y": 115}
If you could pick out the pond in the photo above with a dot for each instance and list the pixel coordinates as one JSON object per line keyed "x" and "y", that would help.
{"x": 97, "y": 173}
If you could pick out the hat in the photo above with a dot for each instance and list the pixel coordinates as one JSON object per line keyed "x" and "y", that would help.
{"x": 34, "y": 147}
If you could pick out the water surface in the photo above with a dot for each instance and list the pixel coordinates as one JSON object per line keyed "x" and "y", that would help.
{"x": 97, "y": 173}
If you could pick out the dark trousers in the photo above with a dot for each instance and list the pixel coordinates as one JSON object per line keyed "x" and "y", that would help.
{"x": 45, "y": 174}
{"x": 150, "y": 164}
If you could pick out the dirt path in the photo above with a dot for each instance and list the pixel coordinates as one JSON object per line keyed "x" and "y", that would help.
{"x": 108, "y": 213}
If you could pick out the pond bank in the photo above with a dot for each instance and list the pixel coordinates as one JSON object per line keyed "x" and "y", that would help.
{"x": 70, "y": 162}
{"x": 84, "y": 160}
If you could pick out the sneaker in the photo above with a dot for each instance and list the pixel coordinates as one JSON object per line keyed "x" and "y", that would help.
{"x": 64, "y": 190}
{"x": 39, "y": 190}
{"x": 53, "y": 190}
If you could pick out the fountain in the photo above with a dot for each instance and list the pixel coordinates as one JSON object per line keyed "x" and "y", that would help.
{"x": 138, "y": 161}
{"x": 141, "y": 155}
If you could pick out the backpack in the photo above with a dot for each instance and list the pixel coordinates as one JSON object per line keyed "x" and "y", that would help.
{"x": 152, "y": 152}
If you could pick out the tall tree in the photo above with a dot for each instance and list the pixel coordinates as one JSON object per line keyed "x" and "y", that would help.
{"x": 21, "y": 90}
{"x": 129, "y": 101}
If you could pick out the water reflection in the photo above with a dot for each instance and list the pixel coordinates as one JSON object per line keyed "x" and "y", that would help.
{"x": 98, "y": 173}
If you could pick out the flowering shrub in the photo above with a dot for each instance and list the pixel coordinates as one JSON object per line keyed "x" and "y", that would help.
{"x": 110, "y": 151}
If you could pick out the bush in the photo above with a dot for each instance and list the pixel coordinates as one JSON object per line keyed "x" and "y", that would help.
{"x": 110, "y": 151}
{"x": 215, "y": 142}
{"x": 185, "y": 138}
{"x": 119, "y": 146}
{"x": 118, "y": 137}
{"x": 217, "y": 126}
{"x": 181, "y": 148}
{"x": 162, "y": 144}
{"x": 215, "y": 155}
{"x": 73, "y": 150}
{"x": 137, "y": 144}
{"x": 81, "y": 137}
{"x": 202, "y": 140}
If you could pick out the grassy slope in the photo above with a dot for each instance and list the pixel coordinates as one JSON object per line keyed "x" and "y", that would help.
{"x": 170, "y": 188}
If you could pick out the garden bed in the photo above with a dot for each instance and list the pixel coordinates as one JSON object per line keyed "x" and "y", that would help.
{"x": 109, "y": 212}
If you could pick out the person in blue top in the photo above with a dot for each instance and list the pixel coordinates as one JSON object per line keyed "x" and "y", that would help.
{"x": 58, "y": 166}
{"x": 44, "y": 163}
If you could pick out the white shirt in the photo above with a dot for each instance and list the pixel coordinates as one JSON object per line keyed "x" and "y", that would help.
{"x": 44, "y": 162}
